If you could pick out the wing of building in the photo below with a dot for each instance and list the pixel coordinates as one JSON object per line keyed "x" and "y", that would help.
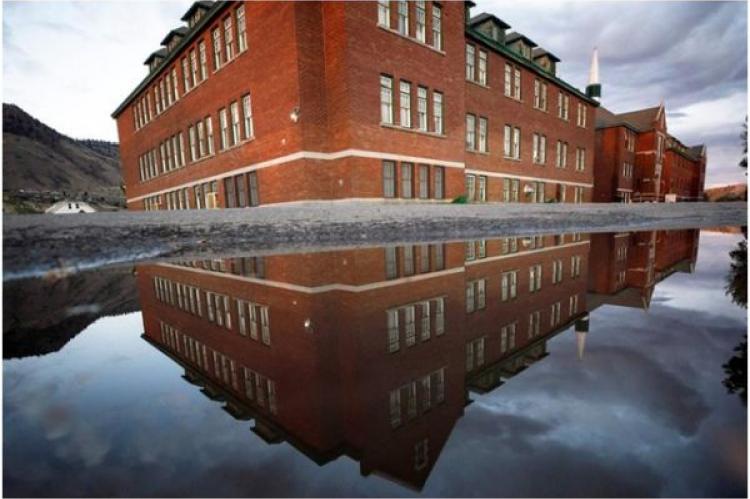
{"x": 352, "y": 100}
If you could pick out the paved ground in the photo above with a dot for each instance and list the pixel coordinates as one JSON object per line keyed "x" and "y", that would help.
{"x": 38, "y": 244}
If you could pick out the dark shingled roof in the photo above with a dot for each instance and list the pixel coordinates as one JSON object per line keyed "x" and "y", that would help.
{"x": 639, "y": 121}
{"x": 642, "y": 119}
{"x": 159, "y": 53}
{"x": 484, "y": 16}
{"x": 514, "y": 35}
{"x": 181, "y": 31}
{"x": 697, "y": 151}
{"x": 540, "y": 52}
{"x": 197, "y": 5}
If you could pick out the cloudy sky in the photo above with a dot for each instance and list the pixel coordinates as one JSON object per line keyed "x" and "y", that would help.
{"x": 71, "y": 63}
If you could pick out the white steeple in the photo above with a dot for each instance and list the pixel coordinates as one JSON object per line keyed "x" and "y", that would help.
{"x": 594, "y": 88}
{"x": 581, "y": 343}
{"x": 594, "y": 70}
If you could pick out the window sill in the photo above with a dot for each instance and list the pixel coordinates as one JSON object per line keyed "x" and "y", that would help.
{"x": 204, "y": 158}
{"x": 237, "y": 145}
{"x": 474, "y": 82}
{"x": 481, "y": 153}
{"x": 541, "y": 109}
{"x": 195, "y": 86}
{"x": 520, "y": 101}
{"x": 412, "y": 130}
{"x": 227, "y": 63}
{"x": 509, "y": 158}
{"x": 407, "y": 37}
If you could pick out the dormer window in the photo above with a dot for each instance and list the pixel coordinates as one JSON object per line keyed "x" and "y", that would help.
{"x": 520, "y": 44}
{"x": 490, "y": 26}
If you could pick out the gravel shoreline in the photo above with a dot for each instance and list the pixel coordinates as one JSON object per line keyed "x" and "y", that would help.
{"x": 35, "y": 245}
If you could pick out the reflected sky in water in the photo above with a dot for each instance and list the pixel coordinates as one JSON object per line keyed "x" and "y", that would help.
{"x": 643, "y": 413}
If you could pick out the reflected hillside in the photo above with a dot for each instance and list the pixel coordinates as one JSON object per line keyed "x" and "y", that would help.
{"x": 374, "y": 353}
{"x": 42, "y": 316}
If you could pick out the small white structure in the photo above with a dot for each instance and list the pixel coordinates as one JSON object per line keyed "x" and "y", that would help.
{"x": 63, "y": 207}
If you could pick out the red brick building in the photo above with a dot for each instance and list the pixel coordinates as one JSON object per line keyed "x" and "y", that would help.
{"x": 626, "y": 266}
{"x": 368, "y": 353}
{"x": 637, "y": 159}
{"x": 350, "y": 100}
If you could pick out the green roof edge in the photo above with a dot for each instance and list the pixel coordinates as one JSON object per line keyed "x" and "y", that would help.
{"x": 186, "y": 40}
{"x": 502, "y": 49}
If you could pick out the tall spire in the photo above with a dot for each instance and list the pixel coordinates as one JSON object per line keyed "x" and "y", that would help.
{"x": 581, "y": 330}
{"x": 594, "y": 88}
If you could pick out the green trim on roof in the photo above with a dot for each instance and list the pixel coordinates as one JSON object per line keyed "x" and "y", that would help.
{"x": 186, "y": 40}
{"x": 505, "y": 51}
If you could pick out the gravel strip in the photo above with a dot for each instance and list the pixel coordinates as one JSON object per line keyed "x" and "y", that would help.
{"x": 36, "y": 245}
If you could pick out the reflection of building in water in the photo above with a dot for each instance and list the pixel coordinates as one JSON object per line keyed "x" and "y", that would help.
{"x": 626, "y": 266}
{"x": 367, "y": 353}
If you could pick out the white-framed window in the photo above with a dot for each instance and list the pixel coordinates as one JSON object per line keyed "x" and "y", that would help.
{"x": 535, "y": 278}
{"x": 201, "y": 139}
{"x": 241, "y": 29}
{"x": 534, "y": 323}
{"x": 247, "y": 115}
{"x": 482, "y": 67}
{"x": 224, "y": 126}
{"x": 562, "y": 154}
{"x": 563, "y": 103}
{"x": 235, "y": 110}
{"x": 404, "y": 102}
{"x": 421, "y": 21}
{"x": 437, "y": 111}
{"x": 439, "y": 316}
{"x": 482, "y": 191}
{"x": 193, "y": 68}
{"x": 422, "y": 108}
{"x": 386, "y": 99}
{"x": 575, "y": 266}
{"x": 573, "y": 305}
{"x": 203, "y": 60}
{"x": 470, "y": 62}
{"x": 437, "y": 23}
{"x": 406, "y": 180}
{"x": 389, "y": 179}
{"x": 403, "y": 17}
{"x": 175, "y": 84}
{"x": 393, "y": 330}
{"x": 581, "y": 115}
{"x": 209, "y": 134}
{"x": 217, "y": 48}
{"x": 483, "y": 135}
{"x": 508, "y": 337}
{"x": 185, "y": 75}
{"x": 384, "y": 13}
{"x": 512, "y": 142}
{"x": 580, "y": 159}
{"x": 554, "y": 318}
{"x": 228, "y": 38}
{"x": 424, "y": 320}
{"x": 410, "y": 326}
{"x": 394, "y": 407}
{"x": 509, "y": 285}
{"x": 471, "y": 143}
{"x": 539, "y": 148}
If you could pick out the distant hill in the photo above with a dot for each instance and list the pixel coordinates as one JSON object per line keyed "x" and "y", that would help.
{"x": 38, "y": 158}
{"x": 732, "y": 192}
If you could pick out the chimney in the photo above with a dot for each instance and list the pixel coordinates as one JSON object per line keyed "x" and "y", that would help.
{"x": 594, "y": 88}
